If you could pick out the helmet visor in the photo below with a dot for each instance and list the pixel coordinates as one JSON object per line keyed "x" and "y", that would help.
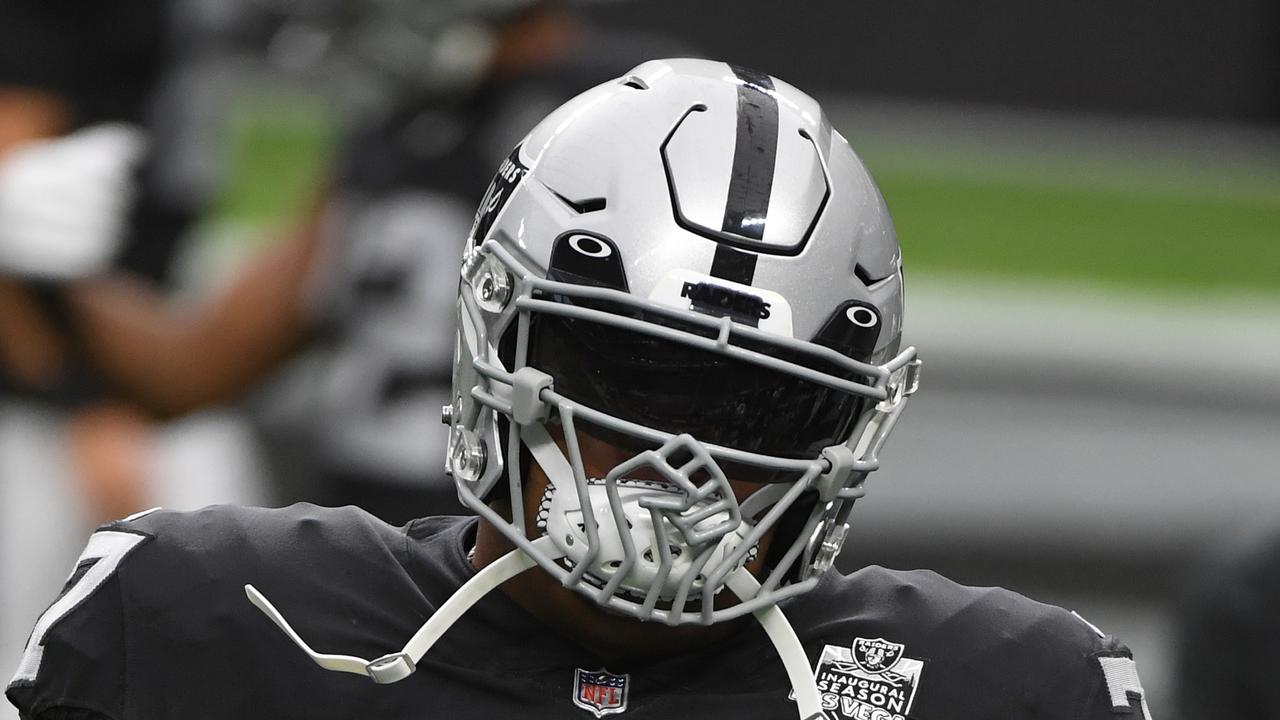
{"x": 678, "y": 388}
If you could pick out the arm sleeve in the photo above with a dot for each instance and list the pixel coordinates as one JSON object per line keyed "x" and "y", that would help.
{"x": 1115, "y": 690}
{"x": 75, "y": 660}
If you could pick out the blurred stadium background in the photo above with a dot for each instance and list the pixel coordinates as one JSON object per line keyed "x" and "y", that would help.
{"x": 1088, "y": 199}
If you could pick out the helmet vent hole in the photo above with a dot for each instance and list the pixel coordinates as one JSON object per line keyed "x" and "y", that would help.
{"x": 583, "y": 207}
{"x": 613, "y": 564}
{"x": 863, "y": 275}
{"x": 637, "y": 82}
{"x": 591, "y": 205}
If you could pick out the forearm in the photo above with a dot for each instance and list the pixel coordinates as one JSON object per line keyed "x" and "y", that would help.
{"x": 175, "y": 359}
{"x": 30, "y": 350}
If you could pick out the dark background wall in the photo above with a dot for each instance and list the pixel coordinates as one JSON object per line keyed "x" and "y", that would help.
{"x": 1179, "y": 58}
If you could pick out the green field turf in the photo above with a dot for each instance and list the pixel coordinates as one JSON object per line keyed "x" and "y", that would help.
{"x": 1165, "y": 226}
{"x": 279, "y": 155}
{"x": 1143, "y": 242}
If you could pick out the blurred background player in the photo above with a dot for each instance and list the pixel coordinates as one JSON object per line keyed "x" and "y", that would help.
{"x": 70, "y": 454}
{"x": 359, "y": 295}
{"x": 363, "y": 277}
{"x": 355, "y": 294}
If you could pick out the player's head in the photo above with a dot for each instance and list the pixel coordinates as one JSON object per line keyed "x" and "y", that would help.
{"x": 681, "y": 305}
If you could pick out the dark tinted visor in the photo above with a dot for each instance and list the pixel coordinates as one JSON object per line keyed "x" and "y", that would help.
{"x": 677, "y": 388}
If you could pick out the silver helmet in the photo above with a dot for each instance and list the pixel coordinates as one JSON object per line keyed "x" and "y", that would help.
{"x": 691, "y": 264}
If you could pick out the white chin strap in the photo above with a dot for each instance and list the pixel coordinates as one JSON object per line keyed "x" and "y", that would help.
{"x": 397, "y": 666}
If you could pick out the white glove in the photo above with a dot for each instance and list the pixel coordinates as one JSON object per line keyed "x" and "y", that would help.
{"x": 64, "y": 201}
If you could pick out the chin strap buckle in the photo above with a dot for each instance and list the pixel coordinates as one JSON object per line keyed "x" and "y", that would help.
{"x": 911, "y": 380}
{"x": 390, "y": 668}
{"x": 903, "y": 383}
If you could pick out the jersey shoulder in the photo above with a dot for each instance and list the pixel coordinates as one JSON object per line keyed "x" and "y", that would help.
{"x": 261, "y": 539}
{"x": 984, "y": 646}
{"x": 942, "y": 607}
{"x": 165, "y": 579}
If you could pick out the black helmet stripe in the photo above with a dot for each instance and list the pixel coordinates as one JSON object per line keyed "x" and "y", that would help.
{"x": 754, "y": 156}
{"x": 755, "y": 153}
{"x": 734, "y": 265}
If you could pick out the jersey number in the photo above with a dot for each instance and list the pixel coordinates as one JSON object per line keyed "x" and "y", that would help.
{"x": 103, "y": 554}
{"x": 1124, "y": 687}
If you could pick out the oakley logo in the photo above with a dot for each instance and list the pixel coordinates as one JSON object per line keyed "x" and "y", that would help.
{"x": 862, "y": 316}
{"x": 589, "y": 246}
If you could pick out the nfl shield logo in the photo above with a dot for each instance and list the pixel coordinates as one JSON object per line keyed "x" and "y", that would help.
{"x": 876, "y": 655}
{"x": 601, "y": 692}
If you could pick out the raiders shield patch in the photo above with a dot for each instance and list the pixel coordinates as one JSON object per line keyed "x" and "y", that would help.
{"x": 600, "y": 691}
{"x": 876, "y": 656}
{"x": 870, "y": 679}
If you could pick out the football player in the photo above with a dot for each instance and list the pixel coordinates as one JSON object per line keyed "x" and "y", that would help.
{"x": 677, "y": 359}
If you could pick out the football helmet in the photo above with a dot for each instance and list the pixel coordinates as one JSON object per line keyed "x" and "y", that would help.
{"x": 689, "y": 265}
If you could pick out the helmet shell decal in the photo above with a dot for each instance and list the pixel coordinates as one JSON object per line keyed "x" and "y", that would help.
{"x": 746, "y": 304}
{"x": 504, "y": 182}
{"x": 852, "y": 329}
{"x": 587, "y": 258}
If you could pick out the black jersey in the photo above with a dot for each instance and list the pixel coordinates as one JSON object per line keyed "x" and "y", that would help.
{"x": 154, "y": 624}
{"x": 1228, "y": 632}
